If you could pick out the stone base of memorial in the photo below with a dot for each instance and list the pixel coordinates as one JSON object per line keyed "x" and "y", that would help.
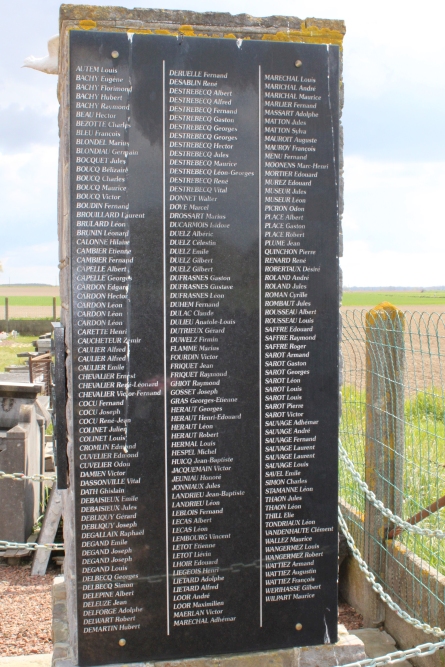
{"x": 349, "y": 648}
{"x": 200, "y": 206}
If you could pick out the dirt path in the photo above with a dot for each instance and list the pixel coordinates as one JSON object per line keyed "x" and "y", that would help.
{"x": 29, "y": 290}
{"x": 424, "y": 348}
{"x": 33, "y": 312}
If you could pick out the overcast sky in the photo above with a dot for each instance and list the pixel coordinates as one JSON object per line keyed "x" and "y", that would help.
{"x": 394, "y": 57}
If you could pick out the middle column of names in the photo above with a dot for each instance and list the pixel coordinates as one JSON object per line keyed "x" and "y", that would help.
{"x": 204, "y": 419}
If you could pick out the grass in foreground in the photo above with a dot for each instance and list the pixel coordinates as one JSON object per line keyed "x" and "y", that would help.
{"x": 371, "y": 299}
{"x": 10, "y": 347}
{"x": 423, "y": 464}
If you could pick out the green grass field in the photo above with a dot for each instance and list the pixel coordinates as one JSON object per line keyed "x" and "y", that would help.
{"x": 10, "y": 347}
{"x": 29, "y": 300}
{"x": 353, "y": 299}
{"x": 365, "y": 299}
{"x": 423, "y": 470}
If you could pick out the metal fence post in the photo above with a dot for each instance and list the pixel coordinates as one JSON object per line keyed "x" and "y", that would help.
{"x": 385, "y": 437}
{"x": 7, "y": 313}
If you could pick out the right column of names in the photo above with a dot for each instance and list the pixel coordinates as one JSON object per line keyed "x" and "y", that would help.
{"x": 289, "y": 158}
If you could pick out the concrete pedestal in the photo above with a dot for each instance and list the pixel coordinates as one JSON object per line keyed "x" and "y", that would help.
{"x": 23, "y": 420}
{"x": 349, "y": 648}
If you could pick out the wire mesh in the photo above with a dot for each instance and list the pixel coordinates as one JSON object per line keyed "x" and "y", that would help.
{"x": 393, "y": 430}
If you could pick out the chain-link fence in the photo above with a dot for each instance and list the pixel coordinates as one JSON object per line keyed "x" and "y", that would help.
{"x": 392, "y": 472}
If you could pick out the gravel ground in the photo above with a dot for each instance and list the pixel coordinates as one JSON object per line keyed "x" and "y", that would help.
{"x": 25, "y": 616}
{"x": 350, "y": 618}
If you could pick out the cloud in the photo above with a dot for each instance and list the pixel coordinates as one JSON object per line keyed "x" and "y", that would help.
{"x": 31, "y": 264}
{"x": 396, "y": 127}
{"x": 395, "y": 95}
{"x": 394, "y": 223}
{"x": 397, "y": 206}
{"x": 22, "y": 128}
{"x": 28, "y": 196}
{"x": 363, "y": 267}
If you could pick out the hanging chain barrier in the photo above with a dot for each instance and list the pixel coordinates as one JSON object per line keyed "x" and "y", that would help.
{"x": 410, "y": 528}
{"x": 392, "y": 463}
{"x": 30, "y": 546}
{"x": 425, "y": 627}
{"x": 421, "y": 650}
{"x": 20, "y": 477}
{"x": 399, "y": 656}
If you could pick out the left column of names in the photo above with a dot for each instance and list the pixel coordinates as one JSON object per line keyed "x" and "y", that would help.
{"x": 108, "y": 491}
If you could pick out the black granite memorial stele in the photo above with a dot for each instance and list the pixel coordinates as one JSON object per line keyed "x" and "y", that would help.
{"x": 204, "y": 199}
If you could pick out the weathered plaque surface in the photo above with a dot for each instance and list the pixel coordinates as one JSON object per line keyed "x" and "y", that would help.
{"x": 204, "y": 217}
